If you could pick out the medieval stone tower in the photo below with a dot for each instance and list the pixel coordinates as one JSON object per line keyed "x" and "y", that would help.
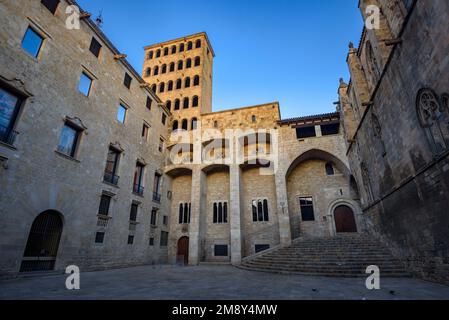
{"x": 180, "y": 72}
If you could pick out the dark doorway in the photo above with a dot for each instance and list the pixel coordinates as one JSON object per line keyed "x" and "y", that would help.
{"x": 345, "y": 220}
{"x": 43, "y": 243}
{"x": 183, "y": 250}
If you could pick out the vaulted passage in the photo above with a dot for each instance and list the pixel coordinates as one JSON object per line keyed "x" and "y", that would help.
{"x": 43, "y": 243}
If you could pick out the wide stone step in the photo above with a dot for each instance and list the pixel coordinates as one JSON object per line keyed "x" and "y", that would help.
{"x": 324, "y": 265}
{"x": 323, "y": 268}
{"x": 331, "y": 261}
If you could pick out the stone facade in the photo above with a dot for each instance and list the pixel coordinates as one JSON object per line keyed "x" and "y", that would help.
{"x": 395, "y": 114}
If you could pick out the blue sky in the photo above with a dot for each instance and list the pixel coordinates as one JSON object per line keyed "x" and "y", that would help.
{"x": 291, "y": 51}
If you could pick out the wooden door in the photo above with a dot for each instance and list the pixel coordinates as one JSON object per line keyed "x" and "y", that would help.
{"x": 345, "y": 220}
{"x": 183, "y": 250}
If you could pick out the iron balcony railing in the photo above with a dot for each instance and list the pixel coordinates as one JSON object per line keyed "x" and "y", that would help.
{"x": 138, "y": 189}
{"x": 7, "y": 136}
{"x": 156, "y": 197}
{"x": 111, "y": 178}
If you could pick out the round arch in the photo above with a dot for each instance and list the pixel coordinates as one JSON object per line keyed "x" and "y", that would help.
{"x": 351, "y": 204}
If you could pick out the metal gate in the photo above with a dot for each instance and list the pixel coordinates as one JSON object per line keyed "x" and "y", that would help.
{"x": 43, "y": 243}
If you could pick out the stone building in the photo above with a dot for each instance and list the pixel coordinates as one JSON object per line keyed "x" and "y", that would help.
{"x": 104, "y": 168}
{"x": 395, "y": 114}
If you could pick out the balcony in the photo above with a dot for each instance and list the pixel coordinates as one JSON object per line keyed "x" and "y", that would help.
{"x": 156, "y": 197}
{"x": 7, "y": 136}
{"x": 111, "y": 178}
{"x": 137, "y": 189}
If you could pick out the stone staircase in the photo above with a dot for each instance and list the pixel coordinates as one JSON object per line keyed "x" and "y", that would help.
{"x": 346, "y": 255}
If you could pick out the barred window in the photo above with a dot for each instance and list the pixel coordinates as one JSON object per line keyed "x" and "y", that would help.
{"x": 105, "y": 204}
{"x": 164, "y": 238}
{"x": 133, "y": 213}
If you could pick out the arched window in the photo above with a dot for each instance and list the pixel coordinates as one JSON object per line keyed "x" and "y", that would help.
{"x": 187, "y": 83}
{"x": 154, "y": 88}
{"x": 433, "y": 119}
{"x": 158, "y": 53}
{"x": 164, "y": 69}
{"x": 196, "y": 81}
{"x": 150, "y": 55}
{"x": 168, "y": 105}
{"x": 197, "y": 61}
{"x": 181, "y": 47}
{"x": 148, "y": 72}
{"x": 185, "y": 124}
{"x": 186, "y": 103}
{"x": 177, "y": 104}
{"x": 189, "y": 45}
{"x": 180, "y": 65}
{"x": 156, "y": 70}
{"x": 198, "y": 43}
{"x": 172, "y": 67}
{"x": 175, "y": 125}
{"x": 170, "y": 86}
{"x": 260, "y": 210}
{"x": 166, "y": 52}
{"x": 195, "y": 101}
{"x": 188, "y": 63}
{"x": 329, "y": 169}
{"x": 194, "y": 123}
{"x": 178, "y": 84}
{"x": 173, "y": 49}
{"x": 162, "y": 87}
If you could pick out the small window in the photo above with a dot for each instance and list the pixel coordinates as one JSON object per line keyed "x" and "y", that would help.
{"x": 307, "y": 212}
{"x": 133, "y": 213}
{"x": 173, "y": 49}
{"x": 105, "y": 204}
{"x": 158, "y": 53}
{"x": 161, "y": 87}
{"x": 166, "y": 51}
{"x": 198, "y": 43}
{"x": 153, "y": 218}
{"x": 156, "y": 71}
{"x": 95, "y": 47}
{"x": 189, "y": 63}
{"x": 164, "y": 69}
{"x": 68, "y": 142}
{"x": 330, "y": 169}
{"x": 164, "y": 238}
{"x": 221, "y": 250}
{"x": 178, "y": 84}
{"x": 261, "y": 247}
{"x": 187, "y": 83}
{"x": 180, "y": 65}
{"x": 185, "y": 125}
{"x": 215, "y": 124}
{"x": 186, "y": 103}
{"x": 154, "y": 88}
{"x": 32, "y": 42}
{"x": 145, "y": 131}
{"x": 51, "y": 5}
{"x": 99, "y": 237}
{"x": 165, "y": 220}
{"x": 110, "y": 172}
{"x": 195, "y": 101}
{"x": 220, "y": 212}
{"x": 253, "y": 119}
{"x": 127, "y": 81}
{"x": 196, "y": 81}
{"x": 150, "y": 55}
{"x": 164, "y": 119}
{"x": 305, "y": 132}
{"x": 181, "y": 47}
{"x": 197, "y": 61}
{"x": 189, "y": 45}
{"x": 172, "y": 67}
{"x": 194, "y": 124}
{"x": 161, "y": 145}
{"x": 184, "y": 213}
{"x": 10, "y": 105}
{"x": 149, "y": 103}
{"x": 151, "y": 242}
{"x": 85, "y": 84}
{"x": 130, "y": 240}
{"x": 170, "y": 86}
{"x": 175, "y": 125}
{"x": 177, "y": 104}
{"x": 121, "y": 114}
{"x": 148, "y": 72}
{"x": 330, "y": 129}
{"x": 168, "y": 105}
{"x": 138, "y": 179}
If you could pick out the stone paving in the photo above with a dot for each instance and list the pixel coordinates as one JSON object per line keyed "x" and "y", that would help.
{"x": 213, "y": 282}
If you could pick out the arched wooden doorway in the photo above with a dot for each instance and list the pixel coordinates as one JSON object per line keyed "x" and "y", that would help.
{"x": 43, "y": 243}
{"x": 183, "y": 250}
{"x": 344, "y": 220}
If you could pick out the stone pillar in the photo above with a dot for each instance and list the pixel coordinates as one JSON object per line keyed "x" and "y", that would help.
{"x": 235, "y": 210}
{"x": 198, "y": 182}
{"x": 282, "y": 207}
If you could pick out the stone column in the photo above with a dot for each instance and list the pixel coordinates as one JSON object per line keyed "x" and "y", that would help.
{"x": 198, "y": 182}
{"x": 282, "y": 206}
{"x": 235, "y": 211}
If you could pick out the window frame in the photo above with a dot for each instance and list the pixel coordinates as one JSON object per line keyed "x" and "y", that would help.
{"x": 125, "y": 115}
{"x": 76, "y": 141}
{"x": 260, "y": 209}
{"x": 93, "y": 42}
{"x": 127, "y": 81}
{"x": 41, "y": 45}
{"x": 13, "y": 120}
{"x": 91, "y": 78}
{"x": 312, "y": 216}
{"x": 50, "y": 9}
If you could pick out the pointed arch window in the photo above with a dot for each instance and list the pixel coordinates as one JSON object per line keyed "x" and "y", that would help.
{"x": 434, "y": 119}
